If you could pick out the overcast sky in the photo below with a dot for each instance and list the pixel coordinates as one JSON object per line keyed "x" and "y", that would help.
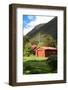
{"x": 30, "y": 21}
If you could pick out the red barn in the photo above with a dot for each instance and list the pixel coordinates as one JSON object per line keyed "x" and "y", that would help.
{"x": 45, "y": 51}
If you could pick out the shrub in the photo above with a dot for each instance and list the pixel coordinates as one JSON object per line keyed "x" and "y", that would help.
{"x": 36, "y": 67}
{"x": 27, "y": 50}
{"x": 52, "y": 62}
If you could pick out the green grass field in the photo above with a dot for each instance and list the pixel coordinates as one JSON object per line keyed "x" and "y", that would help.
{"x": 34, "y": 58}
{"x": 37, "y": 65}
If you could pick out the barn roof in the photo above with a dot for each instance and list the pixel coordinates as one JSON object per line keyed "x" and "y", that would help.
{"x": 47, "y": 48}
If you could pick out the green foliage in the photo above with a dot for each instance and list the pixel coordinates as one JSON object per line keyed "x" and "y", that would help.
{"x": 40, "y": 65}
{"x": 36, "y": 67}
{"x": 40, "y": 44}
{"x": 25, "y": 40}
{"x": 44, "y": 40}
{"x": 52, "y": 62}
{"x": 33, "y": 58}
{"x": 49, "y": 41}
{"x": 34, "y": 42}
{"x": 27, "y": 50}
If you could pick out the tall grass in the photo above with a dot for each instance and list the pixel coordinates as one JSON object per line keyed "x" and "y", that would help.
{"x": 35, "y": 65}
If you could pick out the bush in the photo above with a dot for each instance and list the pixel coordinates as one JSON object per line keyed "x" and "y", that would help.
{"x": 52, "y": 62}
{"x": 27, "y": 50}
{"x": 36, "y": 67}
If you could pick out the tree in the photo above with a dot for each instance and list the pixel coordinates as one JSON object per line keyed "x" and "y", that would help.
{"x": 34, "y": 42}
{"x": 25, "y": 40}
{"x": 49, "y": 41}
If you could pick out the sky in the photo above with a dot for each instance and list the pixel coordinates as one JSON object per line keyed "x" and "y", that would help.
{"x": 30, "y": 21}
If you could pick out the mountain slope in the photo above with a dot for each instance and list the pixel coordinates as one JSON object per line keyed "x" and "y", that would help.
{"x": 41, "y": 30}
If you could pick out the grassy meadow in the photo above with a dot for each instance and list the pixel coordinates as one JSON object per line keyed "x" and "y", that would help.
{"x": 38, "y": 65}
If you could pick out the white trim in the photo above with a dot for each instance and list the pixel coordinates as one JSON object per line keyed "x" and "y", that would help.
{"x": 40, "y": 77}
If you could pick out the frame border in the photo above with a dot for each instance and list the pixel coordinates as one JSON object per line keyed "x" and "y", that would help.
{"x": 13, "y": 40}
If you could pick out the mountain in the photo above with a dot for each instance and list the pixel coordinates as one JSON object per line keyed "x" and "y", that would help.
{"x": 40, "y": 31}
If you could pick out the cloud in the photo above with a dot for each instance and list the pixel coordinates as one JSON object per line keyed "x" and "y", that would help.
{"x": 27, "y": 19}
{"x": 35, "y": 21}
{"x": 31, "y": 18}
